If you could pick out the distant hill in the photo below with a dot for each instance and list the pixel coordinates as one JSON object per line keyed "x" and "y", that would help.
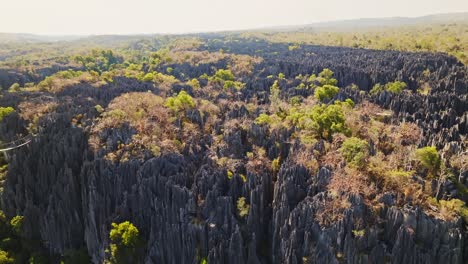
{"x": 366, "y": 23}
{"x": 32, "y": 38}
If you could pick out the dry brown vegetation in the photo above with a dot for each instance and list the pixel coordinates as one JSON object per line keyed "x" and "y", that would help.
{"x": 144, "y": 112}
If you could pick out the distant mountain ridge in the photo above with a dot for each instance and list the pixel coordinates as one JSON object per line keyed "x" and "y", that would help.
{"x": 365, "y": 23}
{"x": 336, "y": 25}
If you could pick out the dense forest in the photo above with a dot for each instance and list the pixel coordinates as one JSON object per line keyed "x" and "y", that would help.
{"x": 236, "y": 147}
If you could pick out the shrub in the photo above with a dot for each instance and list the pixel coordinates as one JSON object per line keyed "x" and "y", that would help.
{"x": 14, "y": 87}
{"x": 378, "y": 88}
{"x": 5, "y": 258}
{"x": 125, "y": 234}
{"x": 233, "y": 84}
{"x": 355, "y": 151}
{"x": 230, "y": 174}
{"x": 194, "y": 83}
{"x": 457, "y": 206}
{"x": 428, "y": 157}
{"x": 124, "y": 243}
{"x": 17, "y": 224}
{"x": 295, "y": 100}
{"x": 450, "y": 208}
{"x": 99, "y": 108}
{"x": 242, "y": 207}
{"x": 359, "y": 233}
{"x": 325, "y": 120}
{"x": 275, "y": 164}
{"x": 263, "y": 119}
{"x": 395, "y": 87}
{"x": 183, "y": 101}
{"x": 223, "y": 75}
{"x": 5, "y": 111}
{"x": 326, "y": 78}
{"x": 275, "y": 91}
{"x": 326, "y": 92}
{"x": 149, "y": 77}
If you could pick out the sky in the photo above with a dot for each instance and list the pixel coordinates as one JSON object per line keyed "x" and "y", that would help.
{"x": 83, "y": 17}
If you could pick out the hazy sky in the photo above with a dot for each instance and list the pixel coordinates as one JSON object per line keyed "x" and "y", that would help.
{"x": 178, "y": 16}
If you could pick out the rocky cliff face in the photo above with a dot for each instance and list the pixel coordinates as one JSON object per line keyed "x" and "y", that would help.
{"x": 185, "y": 206}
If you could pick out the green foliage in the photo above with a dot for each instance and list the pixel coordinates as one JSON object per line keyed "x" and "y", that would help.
{"x": 5, "y": 258}
{"x": 312, "y": 78}
{"x": 5, "y": 111}
{"x": 449, "y": 208}
{"x": 281, "y": 76}
{"x": 326, "y": 78}
{"x": 99, "y": 108}
{"x": 323, "y": 120}
{"x": 69, "y": 74}
{"x": 14, "y": 87}
{"x": 378, "y": 88}
{"x": 275, "y": 164}
{"x": 149, "y": 77}
{"x": 359, "y": 233}
{"x": 263, "y": 119}
{"x": 233, "y": 84}
{"x": 242, "y": 207}
{"x": 326, "y": 92}
{"x": 230, "y": 174}
{"x": 275, "y": 91}
{"x": 395, "y": 87}
{"x": 457, "y": 206}
{"x": 203, "y": 261}
{"x": 17, "y": 224}
{"x": 194, "y": 83}
{"x": 429, "y": 159}
{"x": 295, "y": 100}
{"x": 124, "y": 243}
{"x": 293, "y": 47}
{"x": 182, "y": 102}
{"x": 223, "y": 75}
{"x": 355, "y": 151}
{"x": 99, "y": 60}
{"x": 125, "y": 234}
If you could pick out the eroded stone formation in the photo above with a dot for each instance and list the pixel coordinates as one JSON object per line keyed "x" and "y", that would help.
{"x": 184, "y": 204}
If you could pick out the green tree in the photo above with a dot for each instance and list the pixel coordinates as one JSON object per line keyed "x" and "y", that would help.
{"x": 5, "y": 111}
{"x": 324, "y": 120}
{"x": 149, "y": 77}
{"x": 326, "y": 92}
{"x": 377, "y": 89}
{"x": 223, "y": 75}
{"x": 125, "y": 241}
{"x": 243, "y": 207}
{"x": 429, "y": 159}
{"x": 275, "y": 91}
{"x": 395, "y": 87}
{"x": 182, "y": 102}
{"x": 355, "y": 151}
{"x": 5, "y": 258}
{"x": 326, "y": 78}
